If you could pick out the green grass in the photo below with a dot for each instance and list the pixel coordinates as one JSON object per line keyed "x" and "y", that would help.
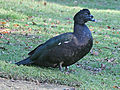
{"x": 51, "y": 21}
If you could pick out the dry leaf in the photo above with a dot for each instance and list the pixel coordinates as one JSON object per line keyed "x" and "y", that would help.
{"x": 116, "y": 87}
{"x": 50, "y": 19}
{"x": 108, "y": 27}
{"x": 16, "y": 25}
{"x": 2, "y": 22}
{"x": 116, "y": 43}
{"x": 57, "y": 22}
{"x": 26, "y": 25}
{"x": 53, "y": 26}
{"x": 103, "y": 66}
{"x": 113, "y": 32}
{"x": 96, "y": 42}
{"x": 34, "y": 23}
{"x": 67, "y": 18}
{"x": 29, "y": 17}
{"x": 45, "y": 24}
{"x": 1, "y": 37}
{"x": 22, "y": 19}
{"x": 91, "y": 29}
{"x": 1, "y": 41}
{"x": 69, "y": 22}
{"x": 106, "y": 47}
{"x": 94, "y": 53}
{"x": 29, "y": 29}
{"x": 117, "y": 32}
{"x": 107, "y": 36}
{"x": 111, "y": 60}
{"x": 4, "y": 31}
{"x": 45, "y": 3}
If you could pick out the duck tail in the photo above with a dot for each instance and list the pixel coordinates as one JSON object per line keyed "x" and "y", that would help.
{"x": 26, "y": 61}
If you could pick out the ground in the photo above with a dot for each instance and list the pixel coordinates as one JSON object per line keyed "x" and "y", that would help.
{"x": 25, "y": 24}
{"x": 7, "y": 84}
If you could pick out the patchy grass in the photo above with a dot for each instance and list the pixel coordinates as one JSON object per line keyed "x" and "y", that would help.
{"x": 100, "y": 69}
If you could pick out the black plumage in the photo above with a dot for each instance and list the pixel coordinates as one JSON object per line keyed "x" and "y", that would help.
{"x": 65, "y": 49}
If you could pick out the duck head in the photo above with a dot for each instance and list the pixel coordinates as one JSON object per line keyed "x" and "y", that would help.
{"x": 83, "y": 16}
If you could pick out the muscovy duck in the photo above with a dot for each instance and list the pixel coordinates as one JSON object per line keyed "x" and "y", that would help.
{"x": 65, "y": 49}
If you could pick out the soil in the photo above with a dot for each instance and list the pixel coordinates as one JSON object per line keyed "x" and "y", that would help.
{"x": 7, "y": 84}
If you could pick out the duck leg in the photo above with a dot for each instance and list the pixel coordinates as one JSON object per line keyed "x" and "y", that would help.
{"x": 60, "y": 66}
{"x": 66, "y": 68}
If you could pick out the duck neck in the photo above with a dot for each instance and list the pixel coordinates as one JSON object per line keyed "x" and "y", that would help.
{"x": 78, "y": 28}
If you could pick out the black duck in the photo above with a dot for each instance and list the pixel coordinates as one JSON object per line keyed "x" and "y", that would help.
{"x": 65, "y": 49}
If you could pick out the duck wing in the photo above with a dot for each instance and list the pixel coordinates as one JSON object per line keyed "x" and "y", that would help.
{"x": 51, "y": 43}
{"x": 30, "y": 53}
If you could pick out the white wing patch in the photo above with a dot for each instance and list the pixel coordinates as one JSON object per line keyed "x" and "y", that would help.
{"x": 66, "y": 41}
{"x": 59, "y": 43}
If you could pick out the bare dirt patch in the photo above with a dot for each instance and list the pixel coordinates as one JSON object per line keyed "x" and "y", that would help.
{"x": 6, "y": 84}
